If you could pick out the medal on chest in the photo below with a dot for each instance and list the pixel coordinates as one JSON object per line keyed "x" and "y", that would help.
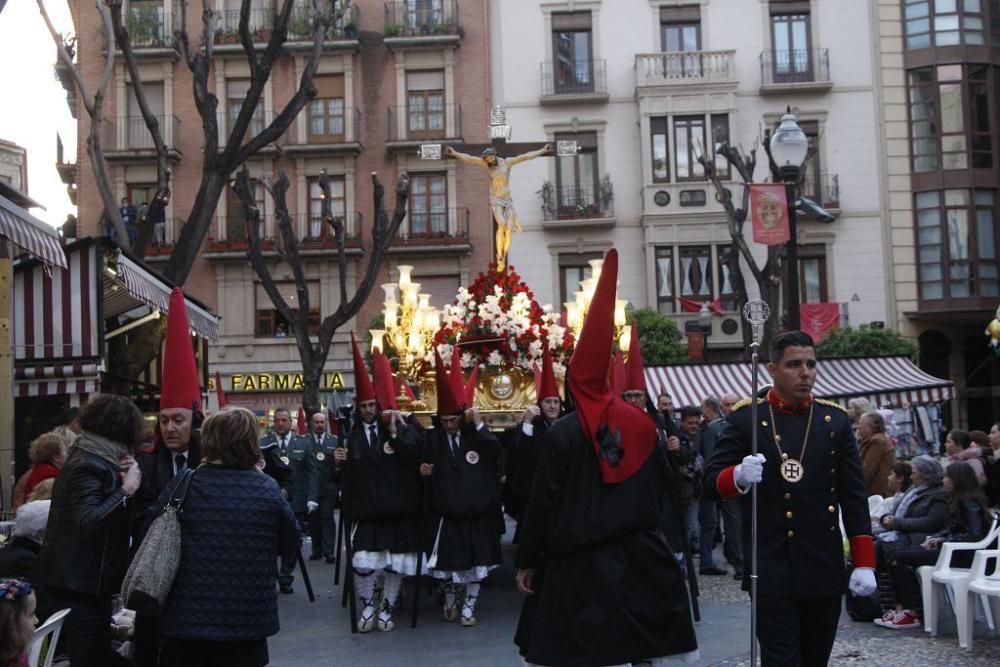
{"x": 320, "y": 456}
{"x": 472, "y": 457}
{"x": 284, "y": 459}
{"x": 387, "y": 448}
{"x": 791, "y": 470}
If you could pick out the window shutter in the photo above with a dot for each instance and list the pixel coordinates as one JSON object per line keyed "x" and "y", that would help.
{"x": 237, "y": 89}
{"x": 433, "y": 80}
{"x": 571, "y": 21}
{"x": 680, "y": 14}
{"x": 329, "y": 85}
{"x": 789, "y": 6}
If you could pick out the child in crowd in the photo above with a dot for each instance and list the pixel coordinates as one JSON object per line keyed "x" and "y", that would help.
{"x": 17, "y": 621}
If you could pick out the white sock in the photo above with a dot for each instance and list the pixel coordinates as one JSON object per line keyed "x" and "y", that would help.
{"x": 393, "y": 580}
{"x": 471, "y": 595}
{"x": 364, "y": 584}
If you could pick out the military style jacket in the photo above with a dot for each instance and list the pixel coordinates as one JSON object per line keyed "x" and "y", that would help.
{"x": 326, "y": 470}
{"x": 301, "y": 462}
{"x": 800, "y": 547}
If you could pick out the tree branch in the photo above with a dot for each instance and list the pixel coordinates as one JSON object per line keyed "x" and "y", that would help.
{"x": 338, "y": 233}
{"x": 244, "y": 192}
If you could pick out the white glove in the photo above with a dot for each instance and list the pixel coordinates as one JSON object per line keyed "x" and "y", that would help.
{"x": 750, "y": 471}
{"x": 311, "y": 506}
{"x": 862, "y": 582}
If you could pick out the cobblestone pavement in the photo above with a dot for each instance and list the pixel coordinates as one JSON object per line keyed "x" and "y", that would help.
{"x": 867, "y": 643}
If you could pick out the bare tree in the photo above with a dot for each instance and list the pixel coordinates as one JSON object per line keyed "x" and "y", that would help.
{"x": 94, "y": 106}
{"x": 768, "y": 276}
{"x": 221, "y": 161}
{"x": 314, "y": 354}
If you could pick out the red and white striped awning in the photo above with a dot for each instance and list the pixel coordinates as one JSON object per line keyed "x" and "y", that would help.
{"x": 30, "y": 234}
{"x": 53, "y": 380}
{"x": 884, "y": 381}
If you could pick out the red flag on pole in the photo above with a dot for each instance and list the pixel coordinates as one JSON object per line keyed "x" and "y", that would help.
{"x": 219, "y": 392}
{"x": 301, "y": 421}
{"x": 818, "y": 319}
{"x": 769, "y": 212}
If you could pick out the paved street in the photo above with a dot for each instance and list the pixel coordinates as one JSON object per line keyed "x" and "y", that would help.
{"x": 318, "y": 633}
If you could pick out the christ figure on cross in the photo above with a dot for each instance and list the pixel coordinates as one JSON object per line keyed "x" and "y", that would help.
{"x": 501, "y": 203}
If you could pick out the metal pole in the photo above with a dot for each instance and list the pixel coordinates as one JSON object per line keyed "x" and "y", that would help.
{"x": 792, "y": 257}
{"x": 756, "y": 313}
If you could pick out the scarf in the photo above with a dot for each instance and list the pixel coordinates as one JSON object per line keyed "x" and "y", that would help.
{"x": 101, "y": 447}
{"x": 908, "y": 499}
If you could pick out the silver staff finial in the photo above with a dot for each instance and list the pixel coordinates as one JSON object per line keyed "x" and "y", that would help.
{"x": 756, "y": 313}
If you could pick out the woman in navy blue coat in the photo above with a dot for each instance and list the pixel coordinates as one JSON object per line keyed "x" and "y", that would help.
{"x": 234, "y": 526}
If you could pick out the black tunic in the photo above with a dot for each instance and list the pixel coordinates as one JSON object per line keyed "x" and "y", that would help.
{"x": 607, "y": 589}
{"x": 465, "y": 499}
{"x": 800, "y": 549}
{"x": 523, "y": 461}
{"x": 383, "y": 490}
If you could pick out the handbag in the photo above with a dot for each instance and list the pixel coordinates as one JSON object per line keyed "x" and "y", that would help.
{"x": 151, "y": 573}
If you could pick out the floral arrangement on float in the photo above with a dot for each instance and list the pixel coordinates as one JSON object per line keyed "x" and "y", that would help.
{"x": 496, "y": 323}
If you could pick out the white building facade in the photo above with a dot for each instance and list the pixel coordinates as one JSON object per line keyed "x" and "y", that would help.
{"x": 643, "y": 86}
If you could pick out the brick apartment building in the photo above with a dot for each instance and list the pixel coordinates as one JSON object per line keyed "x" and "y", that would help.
{"x": 392, "y": 75}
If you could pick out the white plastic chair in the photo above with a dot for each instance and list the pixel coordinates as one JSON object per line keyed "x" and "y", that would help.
{"x": 942, "y": 576}
{"x": 50, "y": 628}
{"x": 979, "y": 583}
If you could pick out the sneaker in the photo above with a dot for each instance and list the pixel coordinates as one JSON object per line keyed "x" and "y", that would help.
{"x": 886, "y": 617}
{"x": 901, "y": 621}
{"x": 385, "y": 623}
{"x": 366, "y": 621}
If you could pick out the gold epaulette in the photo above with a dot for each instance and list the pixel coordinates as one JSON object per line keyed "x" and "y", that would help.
{"x": 823, "y": 401}
{"x": 742, "y": 403}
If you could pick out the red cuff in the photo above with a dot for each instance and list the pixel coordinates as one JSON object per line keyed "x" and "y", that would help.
{"x": 725, "y": 484}
{"x": 863, "y": 551}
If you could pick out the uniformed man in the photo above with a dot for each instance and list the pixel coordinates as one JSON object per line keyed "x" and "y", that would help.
{"x": 305, "y": 491}
{"x": 322, "y": 522}
{"x": 808, "y": 473}
{"x": 602, "y": 586}
{"x": 461, "y": 457}
{"x": 378, "y": 463}
{"x": 526, "y": 438}
{"x": 274, "y": 447}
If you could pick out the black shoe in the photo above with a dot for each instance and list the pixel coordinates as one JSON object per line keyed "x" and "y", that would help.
{"x": 331, "y": 559}
{"x": 738, "y": 575}
{"x": 315, "y": 556}
{"x": 713, "y": 571}
{"x": 287, "y": 590}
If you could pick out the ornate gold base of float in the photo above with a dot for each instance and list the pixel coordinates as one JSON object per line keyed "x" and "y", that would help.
{"x": 502, "y": 394}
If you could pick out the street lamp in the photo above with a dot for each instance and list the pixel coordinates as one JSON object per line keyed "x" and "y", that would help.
{"x": 788, "y": 148}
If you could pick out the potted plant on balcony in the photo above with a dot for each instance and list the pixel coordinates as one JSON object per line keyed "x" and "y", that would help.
{"x": 393, "y": 30}
{"x": 548, "y": 195}
{"x": 301, "y": 26}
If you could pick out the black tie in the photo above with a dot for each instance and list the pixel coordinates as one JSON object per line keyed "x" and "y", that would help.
{"x": 283, "y": 443}
{"x": 454, "y": 444}
{"x": 373, "y": 438}
{"x": 181, "y": 462}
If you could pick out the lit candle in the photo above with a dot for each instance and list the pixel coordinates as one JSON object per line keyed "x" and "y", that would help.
{"x": 432, "y": 321}
{"x": 595, "y": 268}
{"x": 378, "y": 339}
{"x": 620, "y": 312}
{"x": 625, "y": 338}
{"x": 390, "y": 292}
{"x": 404, "y": 275}
{"x": 425, "y": 301}
{"x": 572, "y": 314}
{"x": 391, "y": 313}
{"x": 415, "y": 342}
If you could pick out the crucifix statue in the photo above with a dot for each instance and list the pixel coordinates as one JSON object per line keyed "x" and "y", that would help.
{"x": 498, "y": 158}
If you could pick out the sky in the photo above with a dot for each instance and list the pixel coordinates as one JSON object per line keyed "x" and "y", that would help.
{"x": 34, "y": 105}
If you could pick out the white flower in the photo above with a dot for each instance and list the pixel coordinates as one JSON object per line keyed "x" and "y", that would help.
{"x": 495, "y": 358}
{"x": 466, "y": 360}
{"x": 444, "y": 349}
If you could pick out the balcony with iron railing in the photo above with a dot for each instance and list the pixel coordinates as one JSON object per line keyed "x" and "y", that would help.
{"x": 410, "y": 126}
{"x": 577, "y": 205}
{"x": 803, "y": 69}
{"x": 422, "y": 23}
{"x": 685, "y": 68}
{"x": 433, "y": 231}
{"x": 227, "y": 27}
{"x": 258, "y": 121}
{"x": 152, "y": 27}
{"x": 163, "y": 243}
{"x": 312, "y": 232}
{"x": 824, "y": 190}
{"x": 128, "y": 138}
{"x": 324, "y": 133}
{"x": 574, "y": 81}
{"x": 300, "y": 27}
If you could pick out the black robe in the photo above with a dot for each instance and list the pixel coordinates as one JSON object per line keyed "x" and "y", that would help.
{"x": 382, "y": 490}
{"x": 465, "y": 499}
{"x": 607, "y": 590}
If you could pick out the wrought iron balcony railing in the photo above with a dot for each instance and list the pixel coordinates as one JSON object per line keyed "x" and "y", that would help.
{"x": 799, "y": 66}
{"x": 129, "y": 133}
{"x": 577, "y": 202}
{"x": 151, "y": 26}
{"x": 421, "y": 18}
{"x": 434, "y": 227}
{"x": 300, "y": 28}
{"x": 575, "y": 77}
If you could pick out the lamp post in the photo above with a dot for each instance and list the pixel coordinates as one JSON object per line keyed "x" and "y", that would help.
{"x": 788, "y": 149}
